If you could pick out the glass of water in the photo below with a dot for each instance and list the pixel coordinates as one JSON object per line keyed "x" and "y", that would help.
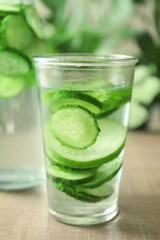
{"x": 84, "y": 103}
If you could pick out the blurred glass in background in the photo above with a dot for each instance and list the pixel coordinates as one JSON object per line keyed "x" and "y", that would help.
{"x": 21, "y": 36}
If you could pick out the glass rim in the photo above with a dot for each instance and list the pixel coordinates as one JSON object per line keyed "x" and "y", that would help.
{"x": 85, "y": 59}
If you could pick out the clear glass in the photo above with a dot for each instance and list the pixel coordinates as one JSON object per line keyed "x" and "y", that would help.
{"x": 21, "y": 154}
{"x": 84, "y": 104}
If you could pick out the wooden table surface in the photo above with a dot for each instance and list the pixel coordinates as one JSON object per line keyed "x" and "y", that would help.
{"x": 24, "y": 215}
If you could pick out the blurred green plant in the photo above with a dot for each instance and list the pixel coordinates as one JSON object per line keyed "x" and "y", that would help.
{"x": 146, "y": 91}
{"x": 150, "y": 48}
{"x": 86, "y": 25}
{"x": 101, "y": 26}
{"x": 146, "y": 88}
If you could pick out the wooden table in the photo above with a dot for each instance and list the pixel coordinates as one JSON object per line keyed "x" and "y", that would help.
{"x": 24, "y": 215}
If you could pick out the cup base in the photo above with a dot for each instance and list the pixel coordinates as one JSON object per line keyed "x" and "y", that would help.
{"x": 85, "y": 220}
{"x": 20, "y": 178}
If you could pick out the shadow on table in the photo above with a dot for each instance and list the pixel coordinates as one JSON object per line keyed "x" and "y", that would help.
{"x": 138, "y": 215}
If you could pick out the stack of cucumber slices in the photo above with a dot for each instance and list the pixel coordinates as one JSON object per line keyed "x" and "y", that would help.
{"x": 82, "y": 145}
{"x": 21, "y": 37}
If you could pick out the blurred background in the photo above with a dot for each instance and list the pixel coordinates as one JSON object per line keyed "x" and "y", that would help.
{"x": 114, "y": 26}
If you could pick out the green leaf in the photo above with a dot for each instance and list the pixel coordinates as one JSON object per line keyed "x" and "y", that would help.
{"x": 145, "y": 91}
{"x": 119, "y": 12}
{"x": 138, "y": 115}
{"x": 139, "y": 1}
{"x": 144, "y": 71}
{"x": 149, "y": 48}
{"x": 57, "y": 7}
{"x": 157, "y": 15}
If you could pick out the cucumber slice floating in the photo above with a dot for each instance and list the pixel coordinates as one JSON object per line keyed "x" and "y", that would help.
{"x": 17, "y": 33}
{"x": 106, "y": 113}
{"x": 90, "y": 195}
{"x": 57, "y": 162}
{"x": 112, "y": 100}
{"x": 105, "y": 173}
{"x": 74, "y": 127}
{"x": 58, "y": 174}
{"x": 102, "y": 191}
{"x": 34, "y": 21}
{"x": 10, "y": 87}
{"x": 117, "y": 98}
{"x": 108, "y": 146}
{"x": 12, "y": 64}
{"x": 59, "y": 98}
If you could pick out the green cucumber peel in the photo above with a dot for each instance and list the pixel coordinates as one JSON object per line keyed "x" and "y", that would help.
{"x": 108, "y": 146}
{"x": 106, "y": 113}
{"x": 66, "y": 176}
{"x": 57, "y": 162}
{"x": 117, "y": 98}
{"x": 59, "y": 98}
{"x": 112, "y": 100}
{"x": 105, "y": 173}
{"x": 85, "y": 194}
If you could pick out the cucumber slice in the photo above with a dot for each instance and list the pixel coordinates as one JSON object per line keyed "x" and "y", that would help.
{"x": 117, "y": 98}
{"x": 10, "y": 87}
{"x": 74, "y": 127}
{"x": 57, "y": 162}
{"x": 59, "y": 174}
{"x": 105, "y": 173}
{"x": 12, "y": 64}
{"x": 17, "y": 33}
{"x": 34, "y": 21}
{"x": 108, "y": 146}
{"x": 102, "y": 191}
{"x": 90, "y": 195}
{"x": 106, "y": 113}
{"x": 9, "y": 8}
{"x": 35, "y": 47}
{"x": 112, "y": 100}
{"x": 64, "y": 97}
{"x": 138, "y": 115}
